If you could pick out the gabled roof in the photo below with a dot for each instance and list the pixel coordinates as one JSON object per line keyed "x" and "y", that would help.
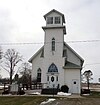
{"x": 74, "y": 52}
{"x": 56, "y": 12}
{"x": 42, "y": 48}
{"x": 30, "y": 60}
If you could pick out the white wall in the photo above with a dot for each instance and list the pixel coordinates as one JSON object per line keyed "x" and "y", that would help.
{"x": 53, "y": 56}
{"x": 69, "y": 75}
{"x": 59, "y": 38}
{"x": 37, "y": 63}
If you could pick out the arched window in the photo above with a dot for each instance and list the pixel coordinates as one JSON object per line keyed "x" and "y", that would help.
{"x": 39, "y": 75}
{"x": 53, "y": 44}
{"x": 52, "y": 68}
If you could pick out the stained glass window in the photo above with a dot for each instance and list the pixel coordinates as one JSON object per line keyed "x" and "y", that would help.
{"x": 52, "y": 68}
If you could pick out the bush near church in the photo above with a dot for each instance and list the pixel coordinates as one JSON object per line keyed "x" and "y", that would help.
{"x": 64, "y": 88}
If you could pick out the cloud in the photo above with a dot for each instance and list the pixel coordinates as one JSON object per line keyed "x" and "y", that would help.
{"x": 5, "y": 25}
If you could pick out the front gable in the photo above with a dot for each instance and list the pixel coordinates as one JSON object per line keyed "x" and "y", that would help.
{"x": 38, "y": 54}
{"x": 72, "y": 56}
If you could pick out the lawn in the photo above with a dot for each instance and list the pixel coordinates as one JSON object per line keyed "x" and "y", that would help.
{"x": 21, "y": 100}
{"x": 93, "y": 94}
{"x": 36, "y": 100}
{"x": 92, "y": 99}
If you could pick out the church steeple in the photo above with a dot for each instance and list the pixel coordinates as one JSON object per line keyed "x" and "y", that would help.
{"x": 54, "y": 33}
{"x": 54, "y": 19}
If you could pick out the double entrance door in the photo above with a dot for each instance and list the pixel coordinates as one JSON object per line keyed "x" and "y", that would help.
{"x": 52, "y": 81}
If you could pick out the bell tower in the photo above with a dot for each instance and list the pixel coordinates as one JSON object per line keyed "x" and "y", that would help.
{"x": 53, "y": 46}
{"x": 54, "y": 33}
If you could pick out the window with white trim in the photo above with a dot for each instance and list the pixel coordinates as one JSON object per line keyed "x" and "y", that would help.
{"x": 65, "y": 53}
{"x": 53, "y": 44}
{"x": 49, "y": 20}
{"x": 47, "y": 78}
{"x": 39, "y": 75}
{"x": 56, "y": 78}
{"x": 52, "y": 68}
{"x": 57, "y": 20}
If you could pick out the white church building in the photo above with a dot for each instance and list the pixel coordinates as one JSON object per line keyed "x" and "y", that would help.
{"x": 56, "y": 63}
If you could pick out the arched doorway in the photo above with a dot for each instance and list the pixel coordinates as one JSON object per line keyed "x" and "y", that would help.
{"x": 52, "y": 76}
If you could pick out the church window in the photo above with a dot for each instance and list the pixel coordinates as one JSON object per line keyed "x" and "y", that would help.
{"x": 47, "y": 78}
{"x": 42, "y": 53}
{"x": 64, "y": 53}
{"x": 57, "y": 20}
{"x": 39, "y": 75}
{"x": 66, "y": 61}
{"x": 49, "y": 20}
{"x": 53, "y": 44}
{"x": 56, "y": 78}
{"x": 52, "y": 79}
{"x": 52, "y": 68}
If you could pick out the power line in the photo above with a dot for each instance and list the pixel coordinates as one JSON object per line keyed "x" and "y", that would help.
{"x": 90, "y": 64}
{"x": 80, "y": 41}
{"x": 19, "y": 43}
{"x": 28, "y": 43}
{"x": 93, "y": 64}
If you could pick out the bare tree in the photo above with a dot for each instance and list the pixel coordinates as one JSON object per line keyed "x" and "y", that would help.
{"x": 25, "y": 71}
{"x": 1, "y": 53}
{"x": 12, "y": 58}
{"x": 25, "y": 68}
{"x": 88, "y": 76}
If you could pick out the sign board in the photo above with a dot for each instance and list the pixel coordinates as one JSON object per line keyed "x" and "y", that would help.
{"x": 14, "y": 88}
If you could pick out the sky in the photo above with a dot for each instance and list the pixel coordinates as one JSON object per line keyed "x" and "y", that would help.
{"x": 21, "y": 22}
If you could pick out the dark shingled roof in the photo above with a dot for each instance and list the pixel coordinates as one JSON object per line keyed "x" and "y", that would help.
{"x": 70, "y": 65}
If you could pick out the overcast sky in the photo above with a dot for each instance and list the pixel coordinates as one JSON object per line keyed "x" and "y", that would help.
{"x": 21, "y": 22}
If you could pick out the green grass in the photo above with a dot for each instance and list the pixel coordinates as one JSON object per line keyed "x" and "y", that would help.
{"x": 21, "y": 100}
{"x": 36, "y": 100}
{"x": 93, "y": 94}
